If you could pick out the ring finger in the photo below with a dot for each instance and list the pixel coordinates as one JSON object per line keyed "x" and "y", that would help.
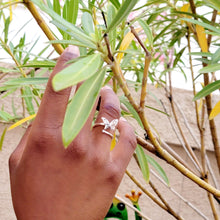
{"x": 107, "y": 118}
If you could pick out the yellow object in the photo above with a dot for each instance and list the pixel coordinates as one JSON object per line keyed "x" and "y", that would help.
{"x": 125, "y": 43}
{"x": 23, "y": 120}
{"x": 185, "y": 8}
{"x": 202, "y": 38}
{"x": 113, "y": 143}
{"x": 215, "y": 111}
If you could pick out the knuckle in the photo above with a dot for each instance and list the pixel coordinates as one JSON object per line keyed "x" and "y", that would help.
{"x": 113, "y": 175}
{"x": 111, "y": 110}
{"x": 42, "y": 138}
{"x": 77, "y": 150}
{"x": 97, "y": 161}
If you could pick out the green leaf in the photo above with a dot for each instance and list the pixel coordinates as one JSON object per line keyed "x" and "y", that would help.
{"x": 122, "y": 13}
{"x": 124, "y": 100}
{"x": 5, "y": 116}
{"x": 40, "y": 64}
{"x": 116, "y": 3}
{"x": 68, "y": 42}
{"x": 26, "y": 81}
{"x": 216, "y": 56}
{"x": 210, "y": 68}
{"x": 77, "y": 33}
{"x": 66, "y": 26}
{"x": 6, "y": 25}
{"x": 178, "y": 56}
{"x": 87, "y": 23}
{"x": 111, "y": 12}
{"x": 205, "y": 25}
{"x": 147, "y": 31}
{"x": 73, "y": 11}
{"x": 207, "y": 90}
{"x": 27, "y": 95}
{"x": 56, "y": 6}
{"x": 80, "y": 107}
{"x": 142, "y": 160}
{"x": 214, "y": 3}
{"x": 2, "y": 138}
{"x": 158, "y": 168}
{"x": 77, "y": 72}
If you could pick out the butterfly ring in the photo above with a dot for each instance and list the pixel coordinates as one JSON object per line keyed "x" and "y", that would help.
{"x": 112, "y": 125}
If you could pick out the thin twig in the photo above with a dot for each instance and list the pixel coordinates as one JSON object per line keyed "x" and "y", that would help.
{"x": 132, "y": 207}
{"x": 178, "y": 195}
{"x": 42, "y": 24}
{"x": 145, "y": 191}
{"x": 169, "y": 209}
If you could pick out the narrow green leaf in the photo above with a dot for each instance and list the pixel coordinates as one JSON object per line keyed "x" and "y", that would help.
{"x": 39, "y": 64}
{"x": 216, "y": 56}
{"x": 207, "y": 90}
{"x": 5, "y": 116}
{"x": 178, "y": 56}
{"x": 87, "y": 23}
{"x": 7, "y": 70}
{"x": 80, "y": 107}
{"x": 111, "y": 12}
{"x": 73, "y": 11}
{"x": 210, "y": 68}
{"x": 26, "y": 81}
{"x": 158, "y": 168}
{"x": 164, "y": 30}
{"x": 27, "y": 95}
{"x": 203, "y": 24}
{"x": 7, "y": 23}
{"x": 77, "y": 72}
{"x": 201, "y": 54}
{"x": 76, "y": 33}
{"x": 2, "y": 138}
{"x": 131, "y": 109}
{"x": 68, "y": 42}
{"x": 56, "y": 6}
{"x": 122, "y": 13}
{"x": 66, "y": 26}
{"x": 147, "y": 31}
{"x": 142, "y": 160}
{"x": 214, "y": 3}
{"x": 116, "y": 3}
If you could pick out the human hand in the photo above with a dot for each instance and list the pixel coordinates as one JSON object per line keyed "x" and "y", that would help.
{"x": 51, "y": 182}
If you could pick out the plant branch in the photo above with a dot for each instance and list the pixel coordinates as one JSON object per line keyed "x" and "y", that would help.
{"x": 179, "y": 196}
{"x": 179, "y": 127}
{"x": 42, "y": 24}
{"x": 164, "y": 154}
{"x": 169, "y": 209}
{"x": 145, "y": 191}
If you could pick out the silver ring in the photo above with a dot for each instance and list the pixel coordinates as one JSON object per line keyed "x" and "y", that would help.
{"x": 112, "y": 125}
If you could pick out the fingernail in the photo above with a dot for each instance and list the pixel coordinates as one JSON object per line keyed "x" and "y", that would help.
{"x": 72, "y": 49}
{"x": 107, "y": 88}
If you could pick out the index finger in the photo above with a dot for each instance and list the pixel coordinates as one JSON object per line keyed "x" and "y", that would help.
{"x": 53, "y": 105}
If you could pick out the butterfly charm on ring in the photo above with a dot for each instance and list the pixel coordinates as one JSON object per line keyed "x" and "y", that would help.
{"x": 108, "y": 124}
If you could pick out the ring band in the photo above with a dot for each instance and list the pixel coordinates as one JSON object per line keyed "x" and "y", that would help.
{"x": 112, "y": 125}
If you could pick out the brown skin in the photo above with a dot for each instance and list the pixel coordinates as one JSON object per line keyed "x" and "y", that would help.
{"x": 50, "y": 182}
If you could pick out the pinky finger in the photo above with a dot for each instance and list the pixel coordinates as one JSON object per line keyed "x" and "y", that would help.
{"x": 126, "y": 145}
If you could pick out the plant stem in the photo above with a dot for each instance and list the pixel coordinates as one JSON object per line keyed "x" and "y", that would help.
{"x": 42, "y": 24}
{"x": 5, "y": 46}
{"x": 169, "y": 209}
{"x": 160, "y": 151}
{"x": 145, "y": 191}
